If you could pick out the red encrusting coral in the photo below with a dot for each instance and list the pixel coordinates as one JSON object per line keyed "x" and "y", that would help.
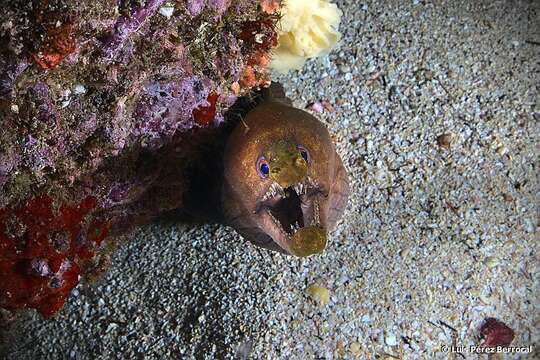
{"x": 55, "y": 27}
{"x": 270, "y": 6}
{"x": 259, "y": 38}
{"x": 260, "y": 34}
{"x": 59, "y": 43}
{"x": 43, "y": 248}
{"x": 205, "y": 115}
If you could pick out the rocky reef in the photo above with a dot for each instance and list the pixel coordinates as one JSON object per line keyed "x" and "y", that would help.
{"x": 103, "y": 105}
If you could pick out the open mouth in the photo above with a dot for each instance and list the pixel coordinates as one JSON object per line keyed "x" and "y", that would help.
{"x": 294, "y": 214}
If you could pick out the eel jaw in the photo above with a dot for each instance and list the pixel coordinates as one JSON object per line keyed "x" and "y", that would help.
{"x": 292, "y": 217}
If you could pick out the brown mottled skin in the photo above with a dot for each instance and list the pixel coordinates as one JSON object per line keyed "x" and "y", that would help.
{"x": 279, "y": 132}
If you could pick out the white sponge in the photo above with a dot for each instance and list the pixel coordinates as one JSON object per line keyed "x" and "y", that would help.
{"x": 308, "y": 28}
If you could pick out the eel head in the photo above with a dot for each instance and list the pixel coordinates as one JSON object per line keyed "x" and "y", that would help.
{"x": 284, "y": 184}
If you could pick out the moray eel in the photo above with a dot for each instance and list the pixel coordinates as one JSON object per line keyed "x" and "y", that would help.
{"x": 284, "y": 185}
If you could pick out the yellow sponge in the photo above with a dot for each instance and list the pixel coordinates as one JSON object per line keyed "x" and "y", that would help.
{"x": 308, "y": 29}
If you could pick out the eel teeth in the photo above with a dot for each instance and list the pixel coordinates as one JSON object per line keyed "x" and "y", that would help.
{"x": 278, "y": 189}
{"x": 273, "y": 191}
{"x": 312, "y": 182}
{"x": 295, "y": 227}
{"x": 300, "y": 188}
{"x": 276, "y": 222}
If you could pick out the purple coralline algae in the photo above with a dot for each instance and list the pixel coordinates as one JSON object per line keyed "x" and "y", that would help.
{"x": 101, "y": 103}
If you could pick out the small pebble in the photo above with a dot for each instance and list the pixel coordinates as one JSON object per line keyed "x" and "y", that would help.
{"x": 167, "y": 10}
{"x": 355, "y": 348}
{"x": 316, "y": 107}
{"x": 444, "y": 140}
{"x": 345, "y": 69}
{"x": 491, "y": 262}
{"x": 319, "y": 294}
{"x": 327, "y": 106}
{"x": 390, "y": 339}
{"x": 79, "y": 89}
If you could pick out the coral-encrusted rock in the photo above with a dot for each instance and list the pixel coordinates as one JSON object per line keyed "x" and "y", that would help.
{"x": 96, "y": 102}
{"x": 496, "y": 333}
{"x": 43, "y": 250}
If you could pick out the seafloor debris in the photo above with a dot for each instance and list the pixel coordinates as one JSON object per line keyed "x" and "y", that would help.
{"x": 496, "y": 333}
{"x": 444, "y": 140}
{"x": 318, "y": 293}
{"x": 97, "y": 99}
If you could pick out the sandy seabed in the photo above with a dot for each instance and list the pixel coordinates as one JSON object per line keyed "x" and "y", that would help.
{"x": 435, "y": 108}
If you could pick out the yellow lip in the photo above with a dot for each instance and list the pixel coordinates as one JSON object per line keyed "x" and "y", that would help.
{"x": 308, "y": 241}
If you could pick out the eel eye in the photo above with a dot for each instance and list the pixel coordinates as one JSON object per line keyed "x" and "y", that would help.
{"x": 304, "y": 152}
{"x": 262, "y": 167}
